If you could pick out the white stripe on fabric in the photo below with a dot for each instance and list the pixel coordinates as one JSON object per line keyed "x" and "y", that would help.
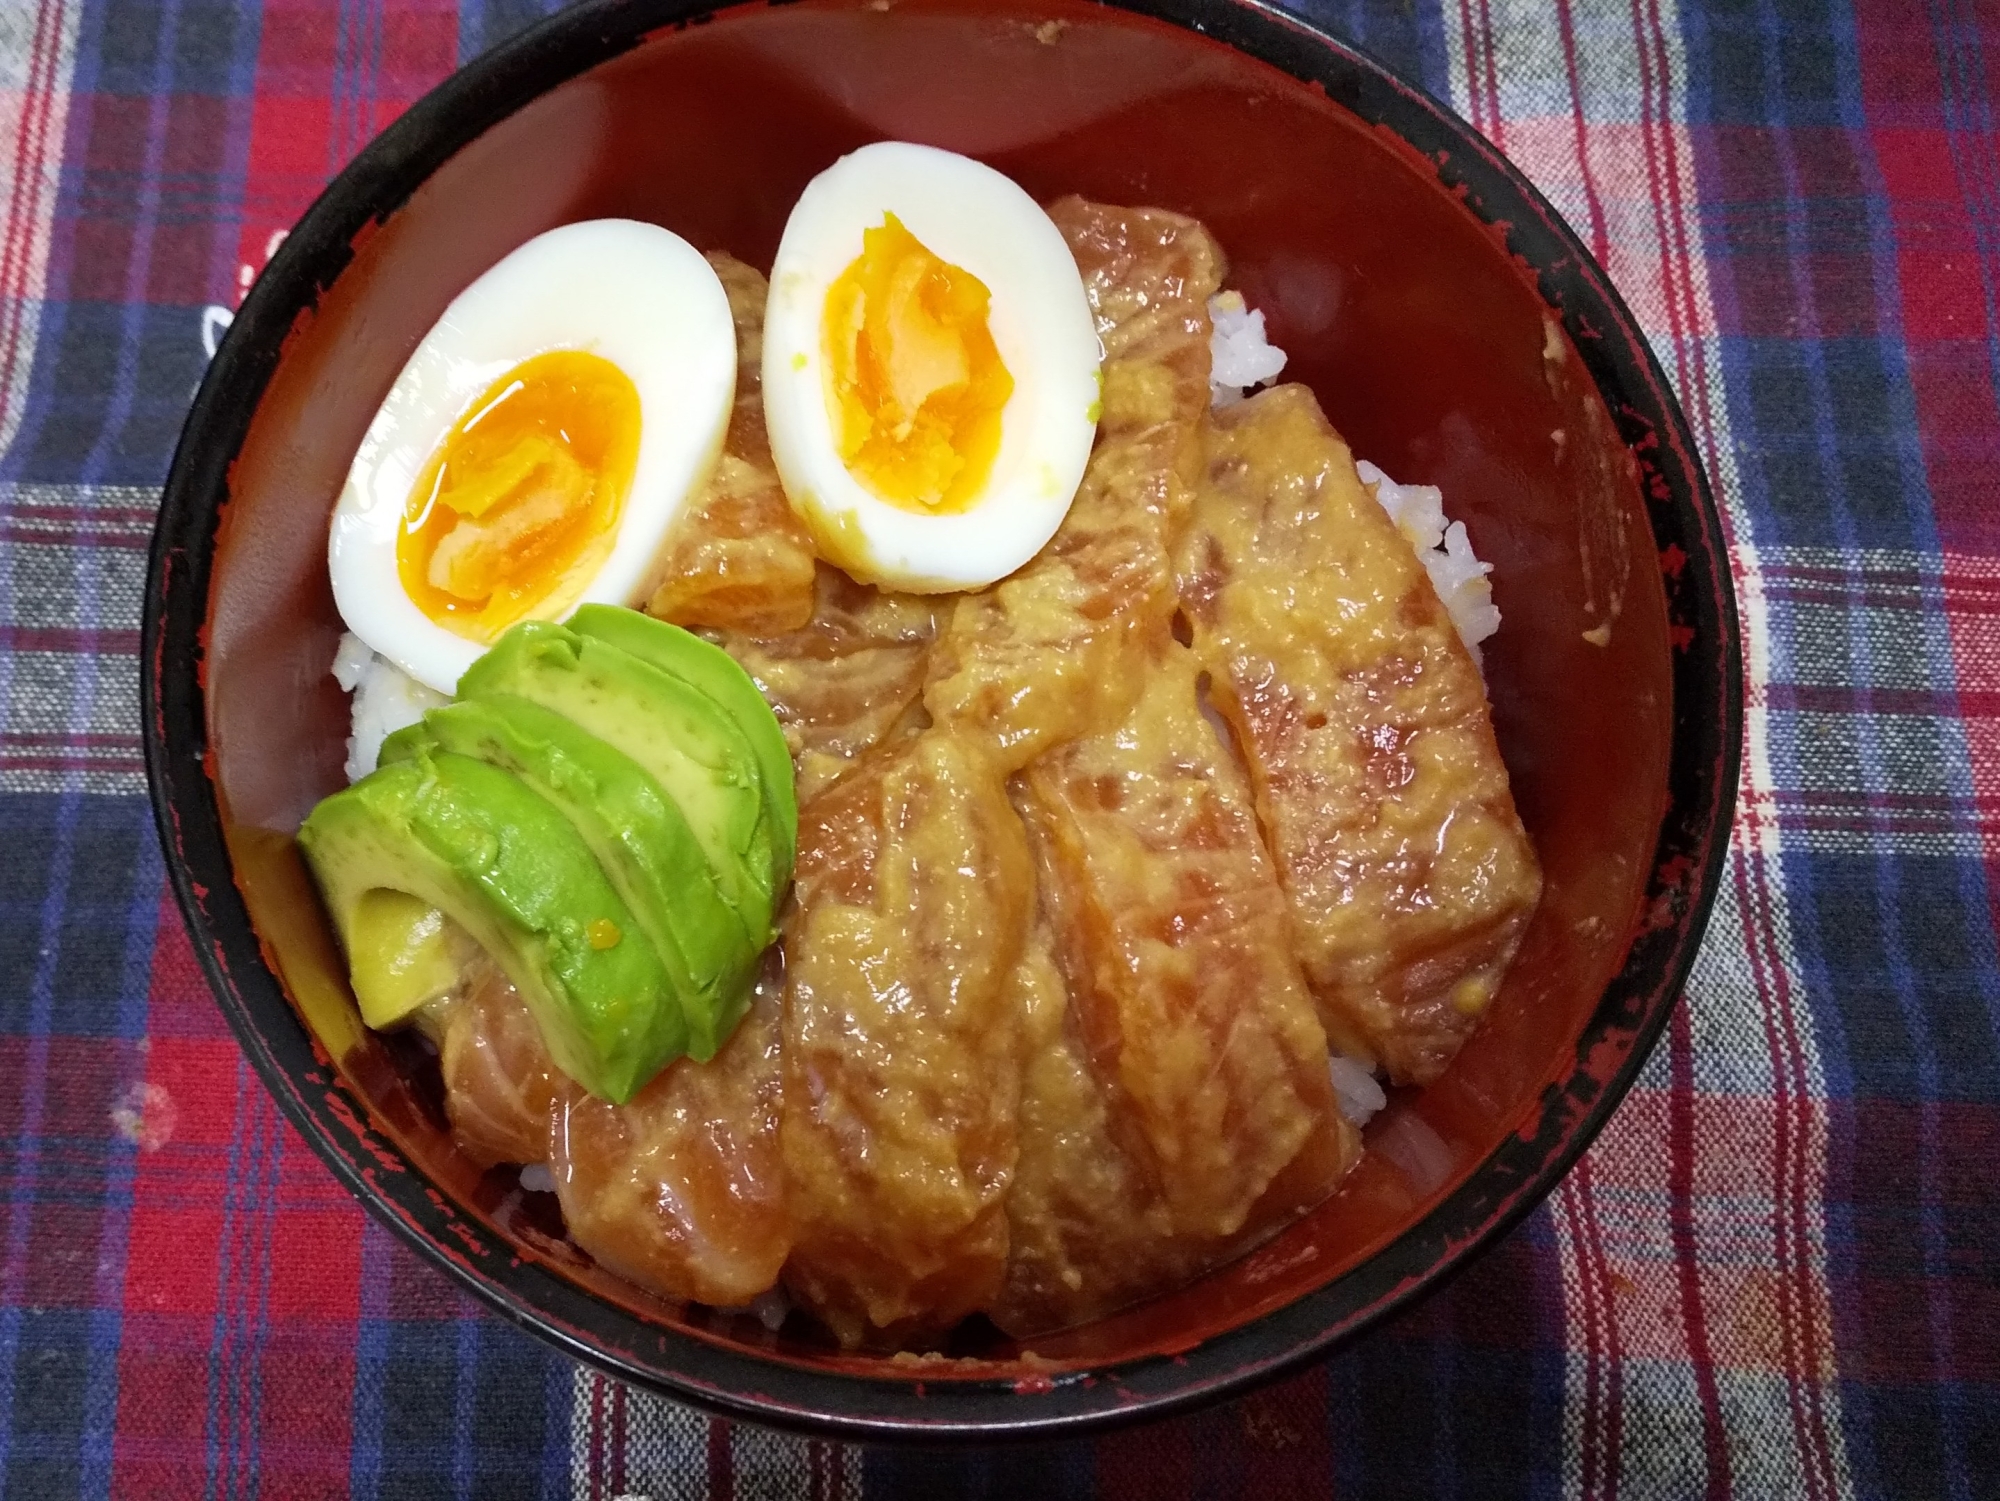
{"x": 583, "y": 1434}
{"x": 72, "y": 577}
{"x": 1528, "y": 73}
{"x": 626, "y": 1443}
{"x": 770, "y": 1466}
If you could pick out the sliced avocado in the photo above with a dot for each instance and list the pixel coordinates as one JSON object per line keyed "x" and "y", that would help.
{"x": 476, "y": 843}
{"x": 402, "y": 954}
{"x": 640, "y": 840}
{"x": 712, "y": 671}
{"x": 403, "y": 744}
{"x": 690, "y": 747}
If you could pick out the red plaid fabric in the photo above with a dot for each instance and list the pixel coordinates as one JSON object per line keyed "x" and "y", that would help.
{"x": 1775, "y": 1274}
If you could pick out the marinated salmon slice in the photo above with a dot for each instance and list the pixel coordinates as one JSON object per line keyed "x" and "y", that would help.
{"x": 900, "y": 1043}
{"x": 848, "y": 679}
{"x": 1087, "y": 1230}
{"x": 1053, "y": 650}
{"x": 1176, "y": 950}
{"x": 681, "y": 1190}
{"x": 500, "y": 1085}
{"x": 1365, "y": 725}
{"x": 740, "y": 560}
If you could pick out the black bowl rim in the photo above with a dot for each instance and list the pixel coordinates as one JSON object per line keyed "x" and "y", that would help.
{"x": 730, "y": 1382}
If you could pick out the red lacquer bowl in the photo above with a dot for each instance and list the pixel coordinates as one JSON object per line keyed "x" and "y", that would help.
{"x": 1454, "y": 330}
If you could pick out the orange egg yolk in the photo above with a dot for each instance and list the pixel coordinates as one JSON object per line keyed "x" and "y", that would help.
{"x": 914, "y": 383}
{"x": 518, "y": 508}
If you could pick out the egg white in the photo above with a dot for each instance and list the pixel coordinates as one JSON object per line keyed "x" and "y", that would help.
{"x": 634, "y": 294}
{"x": 975, "y": 218}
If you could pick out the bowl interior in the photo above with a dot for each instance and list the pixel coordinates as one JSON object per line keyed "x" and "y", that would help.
{"x": 1429, "y": 347}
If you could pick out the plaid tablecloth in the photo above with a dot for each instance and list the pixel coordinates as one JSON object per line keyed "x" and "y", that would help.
{"x": 1777, "y": 1274}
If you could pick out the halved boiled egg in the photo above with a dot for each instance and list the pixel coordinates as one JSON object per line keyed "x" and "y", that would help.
{"x": 537, "y": 447}
{"x": 930, "y": 369}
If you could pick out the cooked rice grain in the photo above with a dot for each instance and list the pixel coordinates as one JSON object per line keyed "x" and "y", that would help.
{"x": 385, "y": 700}
{"x": 1456, "y": 572}
{"x": 1241, "y": 357}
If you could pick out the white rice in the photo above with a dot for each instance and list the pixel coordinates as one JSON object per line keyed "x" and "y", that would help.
{"x": 1241, "y": 357}
{"x": 537, "y": 1179}
{"x": 772, "y": 1307}
{"x": 385, "y": 700}
{"x": 1456, "y": 572}
{"x": 1356, "y": 1090}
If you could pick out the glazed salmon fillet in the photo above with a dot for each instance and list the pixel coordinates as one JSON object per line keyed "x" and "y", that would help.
{"x": 1187, "y": 999}
{"x": 900, "y": 1043}
{"x": 1365, "y": 725}
{"x": 681, "y": 1189}
{"x": 1087, "y": 1230}
{"x": 501, "y": 1087}
{"x": 848, "y": 679}
{"x": 741, "y": 561}
{"x": 1053, "y": 650}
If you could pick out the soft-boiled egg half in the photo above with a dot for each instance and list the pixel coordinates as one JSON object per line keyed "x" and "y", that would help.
{"x": 537, "y": 447}
{"x": 930, "y": 369}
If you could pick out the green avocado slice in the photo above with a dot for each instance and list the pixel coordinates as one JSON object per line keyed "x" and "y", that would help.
{"x": 636, "y": 832}
{"x": 694, "y": 751}
{"x": 479, "y": 845}
{"x": 402, "y": 954}
{"x": 713, "y": 672}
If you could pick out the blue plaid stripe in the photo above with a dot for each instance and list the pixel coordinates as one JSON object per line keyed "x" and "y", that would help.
{"x": 482, "y": 27}
{"x": 448, "y": 1400}
{"x": 371, "y": 1387}
{"x": 237, "y": 1340}
{"x": 1408, "y": 38}
{"x": 119, "y": 353}
{"x": 79, "y": 900}
{"x": 145, "y": 235}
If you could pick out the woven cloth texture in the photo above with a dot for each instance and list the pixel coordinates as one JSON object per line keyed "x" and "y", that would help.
{"x": 1776, "y": 1274}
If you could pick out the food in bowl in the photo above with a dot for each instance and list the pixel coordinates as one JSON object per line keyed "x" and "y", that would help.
{"x": 1123, "y": 868}
{"x": 931, "y": 402}
{"x": 508, "y": 474}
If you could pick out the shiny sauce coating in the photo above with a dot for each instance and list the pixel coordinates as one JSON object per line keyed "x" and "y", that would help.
{"x": 1092, "y": 865}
